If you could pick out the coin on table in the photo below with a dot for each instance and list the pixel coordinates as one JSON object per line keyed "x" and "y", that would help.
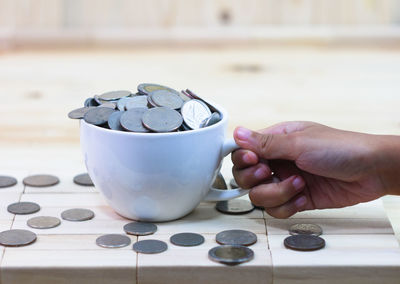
{"x": 114, "y": 95}
{"x": 194, "y": 112}
{"x": 165, "y": 98}
{"x": 231, "y": 254}
{"x": 233, "y": 184}
{"x": 79, "y": 113}
{"x": 162, "y": 119}
{"x": 131, "y": 120}
{"x": 304, "y": 242}
{"x": 77, "y": 214}
{"x": 236, "y": 237}
{"x": 213, "y": 119}
{"x": 305, "y": 229}
{"x": 150, "y": 246}
{"x": 17, "y": 238}
{"x": 23, "y": 208}
{"x": 90, "y": 102}
{"x": 41, "y": 180}
{"x": 140, "y": 228}
{"x": 113, "y": 241}
{"x": 234, "y": 206}
{"x": 136, "y": 102}
{"x": 83, "y": 179}
{"x": 7, "y": 181}
{"x": 219, "y": 182}
{"x": 98, "y": 115}
{"x": 43, "y": 222}
{"x": 114, "y": 121}
{"x": 187, "y": 239}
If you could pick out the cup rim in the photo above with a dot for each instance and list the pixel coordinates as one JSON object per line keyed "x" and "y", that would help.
{"x": 153, "y": 134}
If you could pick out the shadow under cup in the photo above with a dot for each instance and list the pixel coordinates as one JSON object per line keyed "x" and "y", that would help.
{"x": 153, "y": 176}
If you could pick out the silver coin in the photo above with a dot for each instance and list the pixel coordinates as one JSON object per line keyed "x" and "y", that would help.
{"x": 41, "y": 180}
{"x": 214, "y": 118}
{"x": 98, "y": 115}
{"x": 114, "y": 95}
{"x": 122, "y": 102}
{"x": 194, "y": 112}
{"x": 234, "y": 206}
{"x": 304, "y": 242}
{"x": 131, "y": 120}
{"x": 23, "y": 208}
{"x": 162, "y": 119}
{"x": 165, "y": 98}
{"x": 136, "y": 102}
{"x": 233, "y": 184}
{"x": 231, "y": 254}
{"x": 114, "y": 121}
{"x": 196, "y": 97}
{"x": 219, "y": 182}
{"x": 43, "y": 222}
{"x": 83, "y": 179}
{"x": 97, "y": 99}
{"x": 305, "y": 229}
{"x": 109, "y": 105}
{"x": 236, "y": 237}
{"x": 147, "y": 88}
{"x": 79, "y": 113}
{"x": 150, "y": 246}
{"x": 113, "y": 241}
{"x": 187, "y": 239}
{"x": 77, "y": 214}
{"x": 140, "y": 228}
{"x": 7, "y": 181}
{"x": 17, "y": 238}
{"x": 90, "y": 102}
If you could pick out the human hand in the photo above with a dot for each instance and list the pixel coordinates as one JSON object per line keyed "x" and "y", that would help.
{"x": 319, "y": 167}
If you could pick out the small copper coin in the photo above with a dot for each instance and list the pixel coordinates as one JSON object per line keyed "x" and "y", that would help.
{"x": 23, "y": 208}
{"x": 231, "y": 255}
{"x": 77, "y": 214}
{"x": 113, "y": 241}
{"x": 79, "y": 112}
{"x": 140, "y": 228}
{"x": 43, "y": 222}
{"x": 131, "y": 120}
{"x": 7, "y": 181}
{"x": 305, "y": 229}
{"x": 304, "y": 242}
{"x": 234, "y": 206}
{"x": 83, "y": 179}
{"x": 162, "y": 119}
{"x": 187, "y": 239}
{"x": 17, "y": 238}
{"x": 98, "y": 115}
{"x": 41, "y": 180}
{"x": 236, "y": 237}
{"x": 150, "y": 246}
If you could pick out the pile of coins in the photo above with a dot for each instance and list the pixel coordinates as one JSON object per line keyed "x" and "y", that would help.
{"x": 304, "y": 237}
{"x": 154, "y": 108}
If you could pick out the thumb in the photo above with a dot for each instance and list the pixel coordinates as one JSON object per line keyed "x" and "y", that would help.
{"x": 266, "y": 146}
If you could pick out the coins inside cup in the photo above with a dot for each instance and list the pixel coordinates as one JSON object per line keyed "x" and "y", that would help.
{"x": 165, "y": 98}
{"x": 162, "y": 119}
{"x": 131, "y": 120}
{"x": 98, "y": 115}
{"x": 194, "y": 112}
{"x": 114, "y": 95}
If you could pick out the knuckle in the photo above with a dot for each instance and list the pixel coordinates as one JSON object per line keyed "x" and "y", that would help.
{"x": 266, "y": 142}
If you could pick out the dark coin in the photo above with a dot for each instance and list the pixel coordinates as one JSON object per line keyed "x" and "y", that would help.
{"x": 79, "y": 112}
{"x": 140, "y": 228}
{"x": 162, "y": 119}
{"x": 150, "y": 246}
{"x": 114, "y": 121}
{"x": 136, "y": 102}
{"x": 17, "y": 238}
{"x": 304, "y": 242}
{"x": 98, "y": 115}
{"x": 231, "y": 255}
{"x": 233, "y": 184}
{"x": 113, "y": 241}
{"x": 114, "y": 95}
{"x": 236, "y": 237}
{"x": 187, "y": 239}
{"x": 305, "y": 229}
{"x": 234, "y": 206}
{"x": 131, "y": 120}
{"x": 43, "y": 222}
{"x": 22, "y": 208}
{"x": 219, "y": 182}
{"x": 83, "y": 179}
{"x": 213, "y": 119}
{"x": 165, "y": 98}
{"x": 7, "y": 181}
{"x": 77, "y": 214}
{"x": 41, "y": 180}
{"x": 90, "y": 102}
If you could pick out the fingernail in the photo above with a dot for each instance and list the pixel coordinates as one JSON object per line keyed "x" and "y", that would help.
{"x": 298, "y": 183}
{"x": 260, "y": 173}
{"x": 243, "y": 133}
{"x": 300, "y": 202}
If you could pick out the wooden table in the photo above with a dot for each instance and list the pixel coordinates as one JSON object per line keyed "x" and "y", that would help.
{"x": 350, "y": 88}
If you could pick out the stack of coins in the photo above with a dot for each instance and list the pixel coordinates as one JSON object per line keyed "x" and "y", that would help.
{"x": 154, "y": 108}
{"x": 304, "y": 237}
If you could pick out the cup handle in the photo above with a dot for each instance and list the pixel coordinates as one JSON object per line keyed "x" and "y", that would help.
{"x": 221, "y": 195}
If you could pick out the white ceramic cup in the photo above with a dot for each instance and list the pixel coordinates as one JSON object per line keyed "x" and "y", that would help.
{"x": 157, "y": 176}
